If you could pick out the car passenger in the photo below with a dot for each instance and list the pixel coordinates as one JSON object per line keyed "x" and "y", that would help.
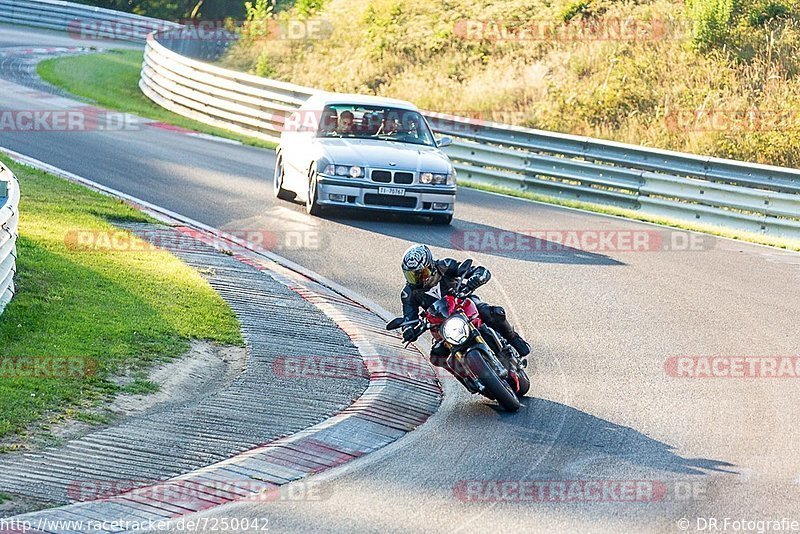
{"x": 372, "y": 123}
{"x": 390, "y": 126}
{"x": 346, "y": 123}
{"x": 329, "y": 122}
{"x": 411, "y": 126}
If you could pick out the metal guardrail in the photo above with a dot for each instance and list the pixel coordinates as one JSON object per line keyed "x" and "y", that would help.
{"x": 83, "y": 21}
{"x": 236, "y": 101}
{"x": 745, "y": 196}
{"x": 9, "y": 221}
{"x": 755, "y": 198}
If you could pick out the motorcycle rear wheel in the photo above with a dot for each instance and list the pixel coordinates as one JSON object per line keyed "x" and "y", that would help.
{"x": 495, "y": 386}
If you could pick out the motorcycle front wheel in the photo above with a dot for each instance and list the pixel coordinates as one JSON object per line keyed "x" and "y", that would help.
{"x": 495, "y": 386}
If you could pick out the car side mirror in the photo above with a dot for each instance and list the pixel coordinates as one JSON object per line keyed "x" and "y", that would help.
{"x": 444, "y": 142}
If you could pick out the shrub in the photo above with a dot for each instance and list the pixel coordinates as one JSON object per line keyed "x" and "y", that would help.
{"x": 308, "y": 8}
{"x": 711, "y": 20}
{"x": 574, "y": 9}
{"x": 767, "y": 11}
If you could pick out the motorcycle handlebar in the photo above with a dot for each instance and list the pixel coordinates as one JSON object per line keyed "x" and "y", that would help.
{"x": 461, "y": 293}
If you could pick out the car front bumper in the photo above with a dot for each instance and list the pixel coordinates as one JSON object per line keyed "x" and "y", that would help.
{"x": 364, "y": 194}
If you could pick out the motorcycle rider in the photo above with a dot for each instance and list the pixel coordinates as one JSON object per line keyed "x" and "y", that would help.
{"x": 429, "y": 279}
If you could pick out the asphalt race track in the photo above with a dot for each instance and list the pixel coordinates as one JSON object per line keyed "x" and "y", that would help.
{"x": 604, "y": 404}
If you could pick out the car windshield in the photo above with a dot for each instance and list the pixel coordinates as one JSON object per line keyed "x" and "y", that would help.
{"x": 374, "y": 122}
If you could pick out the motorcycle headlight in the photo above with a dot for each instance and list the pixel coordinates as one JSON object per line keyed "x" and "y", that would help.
{"x": 455, "y": 330}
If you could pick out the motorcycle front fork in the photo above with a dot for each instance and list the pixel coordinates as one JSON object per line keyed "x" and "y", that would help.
{"x": 505, "y": 353}
{"x": 472, "y": 384}
{"x": 458, "y": 371}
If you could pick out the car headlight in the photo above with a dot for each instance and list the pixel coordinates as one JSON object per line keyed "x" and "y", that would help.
{"x": 455, "y": 330}
{"x": 436, "y": 179}
{"x": 344, "y": 170}
{"x": 451, "y": 178}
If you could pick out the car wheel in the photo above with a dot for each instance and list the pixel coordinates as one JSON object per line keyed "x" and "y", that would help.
{"x": 442, "y": 219}
{"x": 312, "y": 203}
{"x": 277, "y": 182}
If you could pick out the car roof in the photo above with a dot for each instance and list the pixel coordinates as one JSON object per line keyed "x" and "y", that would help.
{"x": 323, "y": 99}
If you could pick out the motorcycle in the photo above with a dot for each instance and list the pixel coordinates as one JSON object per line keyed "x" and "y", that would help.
{"x": 480, "y": 358}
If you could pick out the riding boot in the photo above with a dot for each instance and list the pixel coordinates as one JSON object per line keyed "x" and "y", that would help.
{"x": 495, "y": 317}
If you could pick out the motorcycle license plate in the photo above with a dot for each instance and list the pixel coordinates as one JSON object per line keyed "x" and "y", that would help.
{"x": 394, "y": 191}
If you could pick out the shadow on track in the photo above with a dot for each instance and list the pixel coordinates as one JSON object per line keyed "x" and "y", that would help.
{"x": 463, "y": 236}
{"x": 584, "y": 444}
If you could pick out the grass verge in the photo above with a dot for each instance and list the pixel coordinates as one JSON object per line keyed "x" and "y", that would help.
{"x": 789, "y": 244}
{"x": 111, "y": 79}
{"x": 122, "y": 311}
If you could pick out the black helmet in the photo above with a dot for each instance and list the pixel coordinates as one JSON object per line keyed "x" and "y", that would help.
{"x": 418, "y": 266}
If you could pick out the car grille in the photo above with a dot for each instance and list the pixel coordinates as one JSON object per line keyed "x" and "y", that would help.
{"x": 403, "y": 177}
{"x": 381, "y": 176}
{"x": 389, "y": 200}
{"x": 385, "y": 177}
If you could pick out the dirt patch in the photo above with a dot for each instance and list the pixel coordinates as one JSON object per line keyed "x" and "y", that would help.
{"x": 203, "y": 370}
{"x": 206, "y": 368}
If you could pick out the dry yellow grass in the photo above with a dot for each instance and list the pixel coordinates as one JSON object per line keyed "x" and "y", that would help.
{"x": 642, "y": 90}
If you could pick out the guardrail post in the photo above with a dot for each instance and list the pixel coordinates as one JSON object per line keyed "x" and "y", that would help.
{"x": 9, "y": 222}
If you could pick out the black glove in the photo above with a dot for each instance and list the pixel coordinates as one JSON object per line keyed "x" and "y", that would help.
{"x": 410, "y": 334}
{"x": 474, "y": 282}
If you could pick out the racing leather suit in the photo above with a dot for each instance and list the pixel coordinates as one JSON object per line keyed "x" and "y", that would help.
{"x": 445, "y": 273}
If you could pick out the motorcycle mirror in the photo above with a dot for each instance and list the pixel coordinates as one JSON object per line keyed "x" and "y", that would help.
{"x": 395, "y": 323}
{"x": 464, "y": 267}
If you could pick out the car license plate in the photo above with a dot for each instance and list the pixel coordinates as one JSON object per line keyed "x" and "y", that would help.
{"x": 396, "y": 191}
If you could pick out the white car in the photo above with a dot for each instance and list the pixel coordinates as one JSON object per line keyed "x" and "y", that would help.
{"x": 364, "y": 152}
